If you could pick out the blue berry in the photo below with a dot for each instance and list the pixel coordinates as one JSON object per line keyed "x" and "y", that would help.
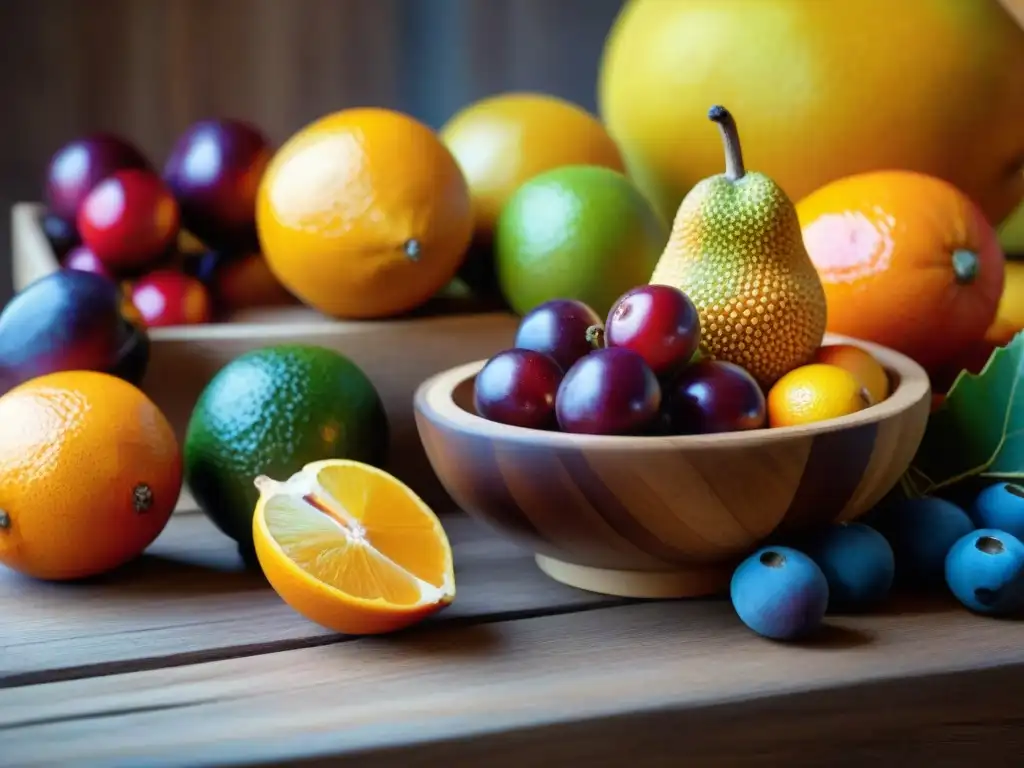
{"x": 921, "y": 532}
{"x": 857, "y": 562}
{"x": 985, "y": 570}
{"x": 1000, "y": 506}
{"x": 779, "y": 593}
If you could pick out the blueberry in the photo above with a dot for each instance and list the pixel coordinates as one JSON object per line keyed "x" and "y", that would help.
{"x": 780, "y": 593}
{"x": 857, "y": 562}
{"x": 1000, "y": 506}
{"x": 921, "y": 532}
{"x": 985, "y": 570}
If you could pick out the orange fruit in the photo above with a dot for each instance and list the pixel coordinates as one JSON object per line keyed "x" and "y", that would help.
{"x": 861, "y": 363}
{"x": 89, "y": 474}
{"x": 906, "y": 260}
{"x": 813, "y": 393}
{"x": 364, "y": 214}
{"x": 352, "y": 548}
{"x": 503, "y": 141}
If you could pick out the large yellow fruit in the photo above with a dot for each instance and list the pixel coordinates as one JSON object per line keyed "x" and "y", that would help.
{"x": 823, "y": 89}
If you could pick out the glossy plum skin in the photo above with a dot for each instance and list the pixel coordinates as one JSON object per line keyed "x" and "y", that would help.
{"x": 518, "y": 387}
{"x": 80, "y": 165}
{"x": 712, "y": 396}
{"x": 659, "y": 323}
{"x": 214, "y": 171}
{"x": 611, "y": 391}
{"x": 167, "y": 297}
{"x": 129, "y": 220}
{"x": 69, "y": 320}
{"x": 62, "y": 234}
{"x": 82, "y": 258}
{"x": 558, "y": 328}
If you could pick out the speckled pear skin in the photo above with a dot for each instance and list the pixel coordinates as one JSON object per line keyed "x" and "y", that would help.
{"x": 736, "y": 250}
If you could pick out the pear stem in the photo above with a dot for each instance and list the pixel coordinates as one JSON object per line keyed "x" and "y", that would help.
{"x": 734, "y": 170}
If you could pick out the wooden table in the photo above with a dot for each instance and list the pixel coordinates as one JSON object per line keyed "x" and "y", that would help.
{"x": 184, "y": 658}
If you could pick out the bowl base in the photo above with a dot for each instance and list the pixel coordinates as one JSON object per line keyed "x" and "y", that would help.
{"x": 695, "y": 581}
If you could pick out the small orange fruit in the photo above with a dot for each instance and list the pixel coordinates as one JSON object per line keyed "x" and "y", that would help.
{"x": 364, "y": 214}
{"x": 1010, "y": 314}
{"x": 906, "y": 260}
{"x": 861, "y": 363}
{"x": 813, "y": 393}
{"x": 90, "y": 472}
{"x": 352, "y": 548}
{"x": 504, "y": 141}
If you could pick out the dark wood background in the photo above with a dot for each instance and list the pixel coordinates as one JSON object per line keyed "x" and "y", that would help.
{"x": 148, "y": 68}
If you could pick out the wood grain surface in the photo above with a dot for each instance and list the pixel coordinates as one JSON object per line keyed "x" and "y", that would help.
{"x": 190, "y": 598}
{"x": 569, "y": 688}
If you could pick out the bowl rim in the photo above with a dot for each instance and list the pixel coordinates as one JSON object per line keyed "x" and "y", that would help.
{"x": 434, "y": 400}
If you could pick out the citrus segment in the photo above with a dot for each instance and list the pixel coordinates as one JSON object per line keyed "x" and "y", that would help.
{"x": 352, "y": 548}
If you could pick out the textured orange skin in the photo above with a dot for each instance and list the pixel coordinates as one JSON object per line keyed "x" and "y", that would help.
{"x": 341, "y": 200}
{"x": 73, "y": 448}
{"x": 823, "y": 89}
{"x": 813, "y": 393}
{"x": 883, "y": 246}
{"x": 503, "y": 141}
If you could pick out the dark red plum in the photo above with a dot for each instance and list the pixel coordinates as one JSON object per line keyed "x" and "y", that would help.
{"x": 69, "y": 320}
{"x": 558, "y": 328}
{"x": 80, "y": 165}
{"x": 713, "y": 396}
{"x": 611, "y": 391}
{"x": 129, "y": 220}
{"x": 659, "y": 323}
{"x": 214, "y": 171}
{"x": 518, "y": 387}
{"x": 62, "y": 235}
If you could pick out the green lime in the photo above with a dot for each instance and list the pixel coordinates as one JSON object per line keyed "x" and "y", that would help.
{"x": 270, "y": 412}
{"x": 576, "y": 232}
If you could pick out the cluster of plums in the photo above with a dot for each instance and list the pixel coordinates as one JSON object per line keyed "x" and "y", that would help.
{"x": 783, "y": 592}
{"x": 182, "y": 241}
{"x": 637, "y": 373}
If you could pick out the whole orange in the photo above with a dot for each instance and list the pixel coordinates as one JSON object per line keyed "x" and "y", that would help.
{"x": 503, "y": 141}
{"x": 907, "y": 261}
{"x": 90, "y": 472}
{"x": 815, "y": 392}
{"x": 364, "y": 214}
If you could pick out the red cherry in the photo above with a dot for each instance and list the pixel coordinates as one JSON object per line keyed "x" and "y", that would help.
{"x": 166, "y": 297}
{"x": 659, "y": 323}
{"x": 82, "y": 258}
{"x": 129, "y": 219}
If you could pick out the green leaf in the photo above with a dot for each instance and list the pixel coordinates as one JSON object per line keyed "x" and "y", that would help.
{"x": 979, "y": 430}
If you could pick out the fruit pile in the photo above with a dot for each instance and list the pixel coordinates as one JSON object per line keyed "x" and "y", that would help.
{"x": 182, "y": 243}
{"x": 784, "y": 590}
{"x": 642, "y": 372}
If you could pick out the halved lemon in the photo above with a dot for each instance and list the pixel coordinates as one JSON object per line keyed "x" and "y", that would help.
{"x": 352, "y": 548}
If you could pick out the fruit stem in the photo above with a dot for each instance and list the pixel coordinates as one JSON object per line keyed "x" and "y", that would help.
{"x": 965, "y": 266}
{"x": 595, "y": 336}
{"x": 734, "y": 170}
{"x": 142, "y": 498}
{"x": 412, "y": 249}
{"x": 5, "y": 520}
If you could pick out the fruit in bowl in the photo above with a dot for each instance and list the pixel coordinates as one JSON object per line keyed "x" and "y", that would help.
{"x": 666, "y": 515}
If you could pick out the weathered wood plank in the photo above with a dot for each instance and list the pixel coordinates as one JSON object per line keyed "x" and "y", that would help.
{"x": 598, "y": 686}
{"x": 191, "y": 599}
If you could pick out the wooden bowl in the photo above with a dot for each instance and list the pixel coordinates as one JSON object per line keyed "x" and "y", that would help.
{"x": 666, "y": 516}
